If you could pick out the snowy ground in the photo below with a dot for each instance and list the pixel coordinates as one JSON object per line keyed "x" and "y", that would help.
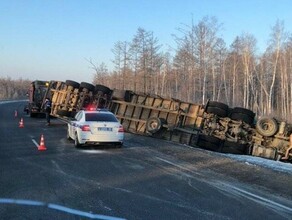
{"x": 258, "y": 161}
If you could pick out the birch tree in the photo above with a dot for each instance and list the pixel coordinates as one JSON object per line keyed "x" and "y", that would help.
{"x": 121, "y": 61}
{"x": 273, "y": 54}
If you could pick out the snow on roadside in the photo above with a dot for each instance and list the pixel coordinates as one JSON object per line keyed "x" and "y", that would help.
{"x": 258, "y": 161}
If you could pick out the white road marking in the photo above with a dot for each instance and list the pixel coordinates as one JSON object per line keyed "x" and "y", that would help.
{"x": 35, "y": 143}
{"x": 180, "y": 167}
{"x": 59, "y": 208}
{"x": 58, "y": 167}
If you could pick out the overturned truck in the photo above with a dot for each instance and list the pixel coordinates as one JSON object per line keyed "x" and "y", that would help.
{"x": 213, "y": 126}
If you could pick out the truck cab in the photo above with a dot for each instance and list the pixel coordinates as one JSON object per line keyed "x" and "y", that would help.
{"x": 36, "y": 95}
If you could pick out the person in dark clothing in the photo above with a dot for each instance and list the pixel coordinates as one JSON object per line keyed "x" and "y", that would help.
{"x": 48, "y": 106}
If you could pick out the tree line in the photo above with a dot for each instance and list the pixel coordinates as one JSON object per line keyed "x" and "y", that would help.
{"x": 201, "y": 67}
{"x": 13, "y": 89}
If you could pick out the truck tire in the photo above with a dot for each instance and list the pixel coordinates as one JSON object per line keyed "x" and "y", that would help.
{"x": 103, "y": 89}
{"x": 242, "y": 114}
{"x": 218, "y": 105}
{"x": 128, "y": 95}
{"x": 217, "y": 111}
{"x": 242, "y": 117}
{"x": 155, "y": 124}
{"x": 118, "y": 94}
{"x": 243, "y": 111}
{"x": 74, "y": 84}
{"x": 209, "y": 142}
{"x": 267, "y": 126}
{"x": 85, "y": 85}
{"x": 218, "y": 108}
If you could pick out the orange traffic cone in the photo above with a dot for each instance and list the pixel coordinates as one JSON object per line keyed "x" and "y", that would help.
{"x": 21, "y": 124}
{"x": 15, "y": 114}
{"x": 42, "y": 144}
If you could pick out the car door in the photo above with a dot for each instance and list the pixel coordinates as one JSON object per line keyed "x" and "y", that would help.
{"x": 75, "y": 123}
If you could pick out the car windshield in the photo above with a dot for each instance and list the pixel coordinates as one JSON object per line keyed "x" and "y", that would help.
{"x": 100, "y": 117}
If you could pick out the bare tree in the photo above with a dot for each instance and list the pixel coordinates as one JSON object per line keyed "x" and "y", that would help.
{"x": 121, "y": 61}
{"x": 273, "y": 55}
{"x": 198, "y": 51}
{"x": 13, "y": 89}
{"x": 145, "y": 57}
{"x": 101, "y": 73}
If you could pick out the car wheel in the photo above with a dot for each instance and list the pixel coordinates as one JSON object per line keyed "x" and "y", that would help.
{"x": 76, "y": 141}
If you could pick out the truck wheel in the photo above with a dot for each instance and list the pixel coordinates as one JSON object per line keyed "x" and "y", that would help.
{"x": 242, "y": 117}
{"x": 267, "y": 126}
{"x": 242, "y": 114}
{"x": 155, "y": 124}
{"x": 119, "y": 94}
{"x": 217, "y": 111}
{"x": 243, "y": 111}
{"x": 218, "y": 105}
{"x": 218, "y": 108}
{"x": 103, "y": 89}
{"x": 85, "y": 85}
{"x": 72, "y": 83}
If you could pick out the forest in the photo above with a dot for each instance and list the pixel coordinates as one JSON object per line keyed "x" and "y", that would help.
{"x": 200, "y": 67}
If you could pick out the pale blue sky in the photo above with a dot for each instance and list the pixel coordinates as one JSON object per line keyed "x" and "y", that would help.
{"x": 51, "y": 39}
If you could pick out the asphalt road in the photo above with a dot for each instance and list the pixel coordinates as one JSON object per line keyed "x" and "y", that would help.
{"x": 146, "y": 179}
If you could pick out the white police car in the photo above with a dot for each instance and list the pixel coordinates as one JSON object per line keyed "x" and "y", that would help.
{"x": 95, "y": 127}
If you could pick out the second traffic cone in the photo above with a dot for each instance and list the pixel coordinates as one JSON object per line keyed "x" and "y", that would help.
{"x": 42, "y": 144}
{"x": 21, "y": 124}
